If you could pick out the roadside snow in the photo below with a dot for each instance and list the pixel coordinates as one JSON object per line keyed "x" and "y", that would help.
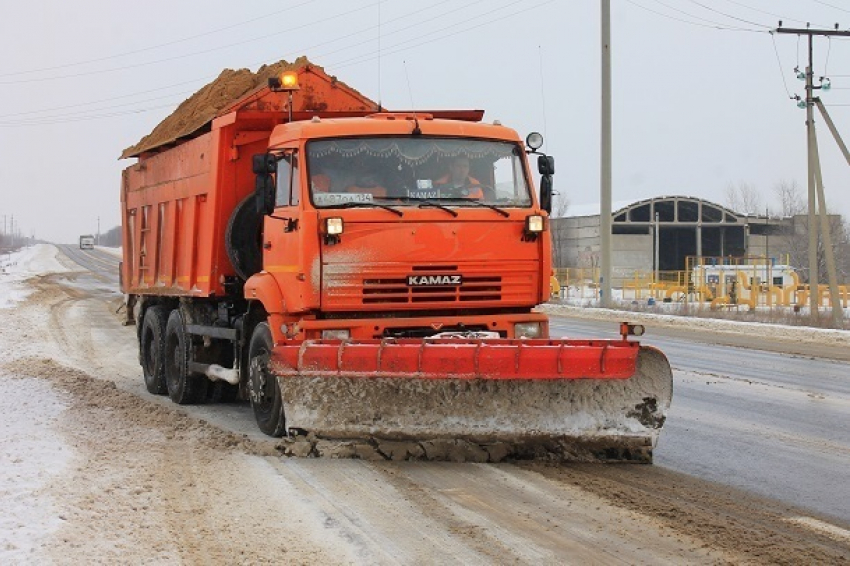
{"x": 17, "y": 267}
{"x": 761, "y": 329}
{"x": 30, "y": 455}
{"x": 114, "y": 251}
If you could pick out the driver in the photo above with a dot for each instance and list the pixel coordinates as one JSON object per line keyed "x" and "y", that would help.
{"x": 458, "y": 181}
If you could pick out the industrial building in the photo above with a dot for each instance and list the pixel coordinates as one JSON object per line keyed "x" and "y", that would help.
{"x": 685, "y": 227}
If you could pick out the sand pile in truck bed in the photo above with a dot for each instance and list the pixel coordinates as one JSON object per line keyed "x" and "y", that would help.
{"x": 198, "y": 110}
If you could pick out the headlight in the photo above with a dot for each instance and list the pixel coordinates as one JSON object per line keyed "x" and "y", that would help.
{"x": 336, "y": 334}
{"x": 534, "y": 224}
{"x": 333, "y": 226}
{"x": 527, "y": 330}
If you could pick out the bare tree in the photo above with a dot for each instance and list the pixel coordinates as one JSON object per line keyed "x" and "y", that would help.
{"x": 744, "y": 197}
{"x": 797, "y": 245}
{"x": 111, "y": 238}
{"x": 791, "y": 201}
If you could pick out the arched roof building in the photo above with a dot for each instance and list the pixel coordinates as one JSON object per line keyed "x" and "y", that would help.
{"x": 687, "y": 226}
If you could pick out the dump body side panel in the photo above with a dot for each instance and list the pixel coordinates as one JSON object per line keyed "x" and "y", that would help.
{"x": 169, "y": 218}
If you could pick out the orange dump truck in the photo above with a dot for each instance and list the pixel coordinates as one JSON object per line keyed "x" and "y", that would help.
{"x": 355, "y": 272}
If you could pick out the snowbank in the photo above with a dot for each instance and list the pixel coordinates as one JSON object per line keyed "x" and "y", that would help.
{"x": 761, "y": 329}
{"x": 17, "y": 267}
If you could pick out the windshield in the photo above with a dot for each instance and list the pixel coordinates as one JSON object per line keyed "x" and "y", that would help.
{"x": 407, "y": 171}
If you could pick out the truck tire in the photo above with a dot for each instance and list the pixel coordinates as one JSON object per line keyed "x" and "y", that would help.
{"x": 263, "y": 387}
{"x": 184, "y": 387}
{"x": 152, "y": 349}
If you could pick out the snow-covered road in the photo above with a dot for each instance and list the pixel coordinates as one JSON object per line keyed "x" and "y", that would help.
{"x": 94, "y": 469}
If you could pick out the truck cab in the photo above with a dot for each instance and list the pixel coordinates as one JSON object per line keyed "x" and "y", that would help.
{"x": 399, "y": 225}
{"x": 87, "y": 242}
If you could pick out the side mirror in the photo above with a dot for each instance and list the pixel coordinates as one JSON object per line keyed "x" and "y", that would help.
{"x": 546, "y": 165}
{"x": 264, "y": 190}
{"x": 546, "y": 193}
{"x": 264, "y": 163}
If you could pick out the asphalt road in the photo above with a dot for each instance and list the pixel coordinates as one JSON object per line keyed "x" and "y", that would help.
{"x": 773, "y": 424}
{"x": 102, "y": 263}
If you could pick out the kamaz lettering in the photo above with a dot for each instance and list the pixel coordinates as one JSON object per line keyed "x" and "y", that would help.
{"x": 434, "y": 280}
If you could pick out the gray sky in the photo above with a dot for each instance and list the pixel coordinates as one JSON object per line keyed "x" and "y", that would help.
{"x": 695, "y": 108}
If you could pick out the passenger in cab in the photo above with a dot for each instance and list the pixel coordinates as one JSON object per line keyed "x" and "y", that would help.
{"x": 458, "y": 182}
{"x": 367, "y": 180}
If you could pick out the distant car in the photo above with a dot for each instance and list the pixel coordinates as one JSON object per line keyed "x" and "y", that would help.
{"x": 87, "y": 242}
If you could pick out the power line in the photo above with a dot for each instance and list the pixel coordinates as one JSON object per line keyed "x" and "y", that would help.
{"x": 354, "y": 61}
{"x": 710, "y": 9}
{"x": 307, "y": 49}
{"x": 783, "y": 18}
{"x": 158, "y": 46}
{"x": 779, "y": 63}
{"x": 669, "y": 7}
{"x": 828, "y": 51}
{"x": 185, "y": 55}
{"x": 717, "y": 27}
{"x": 445, "y": 27}
{"x": 832, "y": 6}
{"x": 91, "y": 102}
{"x": 348, "y": 62}
{"x": 182, "y": 96}
{"x": 36, "y": 122}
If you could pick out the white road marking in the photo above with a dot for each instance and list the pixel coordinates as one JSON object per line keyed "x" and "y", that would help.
{"x": 821, "y": 526}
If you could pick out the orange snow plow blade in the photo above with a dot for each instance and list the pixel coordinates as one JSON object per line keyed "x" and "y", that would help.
{"x": 567, "y": 399}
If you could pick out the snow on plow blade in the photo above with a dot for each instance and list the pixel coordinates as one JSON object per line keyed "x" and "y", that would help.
{"x": 565, "y": 399}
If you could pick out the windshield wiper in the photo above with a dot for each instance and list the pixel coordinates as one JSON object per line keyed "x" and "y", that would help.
{"x": 423, "y": 202}
{"x": 363, "y": 204}
{"x": 484, "y": 204}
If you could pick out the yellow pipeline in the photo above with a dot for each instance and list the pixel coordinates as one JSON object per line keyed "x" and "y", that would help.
{"x": 744, "y": 283}
{"x": 675, "y": 289}
{"x": 823, "y": 293}
{"x": 704, "y": 292}
{"x": 777, "y": 297}
{"x": 789, "y": 291}
{"x": 724, "y": 301}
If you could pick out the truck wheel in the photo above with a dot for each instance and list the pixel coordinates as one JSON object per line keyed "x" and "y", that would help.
{"x": 152, "y": 349}
{"x": 184, "y": 387}
{"x": 263, "y": 388}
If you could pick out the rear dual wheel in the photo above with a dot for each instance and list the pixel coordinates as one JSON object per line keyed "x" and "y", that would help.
{"x": 184, "y": 387}
{"x": 152, "y": 349}
{"x": 263, "y": 387}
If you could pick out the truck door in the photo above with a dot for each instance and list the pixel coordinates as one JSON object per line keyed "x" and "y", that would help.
{"x": 283, "y": 231}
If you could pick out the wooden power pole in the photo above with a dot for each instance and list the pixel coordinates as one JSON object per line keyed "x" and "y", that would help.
{"x": 605, "y": 181}
{"x": 817, "y": 200}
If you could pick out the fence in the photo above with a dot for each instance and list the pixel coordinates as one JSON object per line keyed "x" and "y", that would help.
{"x": 736, "y": 286}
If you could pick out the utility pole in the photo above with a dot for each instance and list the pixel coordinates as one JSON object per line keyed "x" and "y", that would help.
{"x": 816, "y": 192}
{"x": 605, "y": 189}
{"x": 97, "y": 238}
{"x": 657, "y": 251}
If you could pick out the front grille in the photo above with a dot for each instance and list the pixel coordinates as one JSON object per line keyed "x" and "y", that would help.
{"x": 426, "y": 331}
{"x": 396, "y": 291}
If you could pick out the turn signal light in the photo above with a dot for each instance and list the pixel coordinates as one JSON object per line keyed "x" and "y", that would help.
{"x": 627, "y": 329}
